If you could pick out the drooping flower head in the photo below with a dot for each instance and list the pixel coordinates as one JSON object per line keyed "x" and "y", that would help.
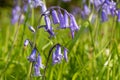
{"x": 66, "y": 19}
{"x": 36, "y": 70}
{"x": 17, "y": 15}
{"x": 55, "y": 17}
{"x": 73, "y": 25}
{"x": 57, "y": 55}
{"x": 104, "y": 16}
{"x": 32, "y": 57}
{"x": 39, "y": 62}
{"x": 118, "y": 15}
{"x": 48, "y": 26}
{"x": 61, "y": 18}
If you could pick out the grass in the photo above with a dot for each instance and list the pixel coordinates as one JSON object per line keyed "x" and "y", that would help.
{"x": 94, "y": 53}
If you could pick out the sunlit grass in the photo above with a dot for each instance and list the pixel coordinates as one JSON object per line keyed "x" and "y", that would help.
{"x": 94, "y": 53}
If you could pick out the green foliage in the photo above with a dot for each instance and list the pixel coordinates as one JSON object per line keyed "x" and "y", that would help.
{"x": 94, "y": 53}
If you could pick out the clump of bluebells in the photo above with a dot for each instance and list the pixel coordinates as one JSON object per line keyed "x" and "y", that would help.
{"x": 59, "y": 16}
{"x": 106, "y": 8}
{"x": 65, "y": 20}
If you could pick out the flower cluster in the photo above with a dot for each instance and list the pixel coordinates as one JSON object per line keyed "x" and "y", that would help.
{"x": 53, "y": 15}
{"x": 17, "y": 15}
{"x": 62, "y": 17}
{"x": 107, "y": 7}
{"x": 58, "y": 56}
{"x": 35, "y": 59}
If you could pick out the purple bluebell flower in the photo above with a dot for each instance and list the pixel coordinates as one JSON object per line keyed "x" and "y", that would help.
{"x": 39, "y": 62}
{"x": 104, "y": 16}
{"x": 35, "y": 3}
{"x": 16, "y": 15}
{"x": 118, "y": 15}
{"x": 66, "y": 18}
{"x": 48, "y": 26}
{"x": 31, "y": 29}
{"x": 48, "y": 22}
{"x": 97, "y": 3}
{"x": 61, "y": 18}
{"x": 55, "y": 17}
{"x": 36, "y": 70}
{"x": 86, "y": 10}
{"x": 32, "y": 57}
{"x": 43, "y": 8}
{"x": 73, "y": 25}
{"x": 57, "y": 55}
{"x": 106, "y": 8}
{"x": 26, "y": 42}
{"x": 65, "y": 54}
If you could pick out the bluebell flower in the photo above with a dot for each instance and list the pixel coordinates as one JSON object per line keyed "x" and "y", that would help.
{"x": 98, "y": 3}
{"x": 66, "y": 19}
{"x": 104, "y": 16}
{"x": 43, "y": 8}
{"x": 55, "y": 17}
{"x": 48, "y": 26}
{"x": 26, "y": 42}
{"x": 86, "y": 10}
{"x": 35, "y": 3}
{"x": 39, "y": 62}
{"x": 61, "y": 18}
{"x": 36, "y": 70}
{"x": 118, "y": 15}
{"x": 57, "y": 55}
{"x": 17, "y": 15}
{"x": 32, "y": 57}
{"x": 65, "y": 54}
{"x": 73, "y": 25}
{"x": 48, "y": 22}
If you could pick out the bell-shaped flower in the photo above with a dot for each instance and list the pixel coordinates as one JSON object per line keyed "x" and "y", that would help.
{"x": 48, "y": 26}
{"x": 39, "y": 62}
{"x": 66, "y": 19}
{"x": 65, "y": 54}
{"x": 61, "y": 18}
{"x": 57, "y": 55}
{"x": 55, "y": 17}
{"x": 16, "y": 15}
{"x": 48, "y": 22}
{"x": 118, "y": 15}
{"x": 36, "y": 70}
{"x": 86, "y": 10}
{"x": 32, "y": 57}
{"x": 73, "y": 25}
{"x": 104, "y": 16}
